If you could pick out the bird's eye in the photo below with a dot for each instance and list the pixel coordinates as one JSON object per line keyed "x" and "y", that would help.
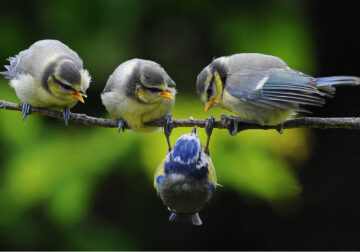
{"x": 63, "y": 85}
{"x": 67, "y": 87}
{"x": 209, "y": 92}
{"x": 153, "y": 89}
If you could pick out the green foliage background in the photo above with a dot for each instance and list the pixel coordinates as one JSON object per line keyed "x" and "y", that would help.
{"x": 87, "y": 188}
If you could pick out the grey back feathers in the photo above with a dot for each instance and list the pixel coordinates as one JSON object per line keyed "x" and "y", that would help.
{"x": 34, "y": 61}
{"x": 240, "y": 61}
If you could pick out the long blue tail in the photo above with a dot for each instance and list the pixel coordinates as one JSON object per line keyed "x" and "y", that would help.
{"x": 327, "y": 84}
{"x": 186, "y": 218}
{"x": 338, "y": 80}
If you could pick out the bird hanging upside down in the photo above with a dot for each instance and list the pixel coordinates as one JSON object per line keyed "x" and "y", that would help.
{"x": 185, "y": 179}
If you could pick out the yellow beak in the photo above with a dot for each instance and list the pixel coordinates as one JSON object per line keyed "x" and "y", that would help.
{"x": 209, "y": 103}
{"x": 79, "y": 96}
{"x": 167, "y": 94}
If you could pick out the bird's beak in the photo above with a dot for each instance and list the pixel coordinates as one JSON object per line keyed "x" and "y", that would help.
{"x": 209, "y": 103}
{"x": 82, "y": 92}
{"x": 79, "y": 95}
{"x": 194, "y": 130}
{"x": 167, "y": 94}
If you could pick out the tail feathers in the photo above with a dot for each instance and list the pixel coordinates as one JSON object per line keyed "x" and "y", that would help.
{"x": 327, "y": 84}
{"x": 193, "y": 219}
{"x": 338, "y": 80}
{"x": 11, "y": 72}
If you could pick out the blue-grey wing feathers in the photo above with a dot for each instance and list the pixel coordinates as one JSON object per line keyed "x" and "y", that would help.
{"x": 11, "y": 69}
{"x": 245, "y": 83}
{"x": 284, "y": 88}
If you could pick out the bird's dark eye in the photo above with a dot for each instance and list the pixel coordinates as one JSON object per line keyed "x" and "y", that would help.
{"x": 63, "y": 85}
{"x": 67, "y": 87}
{"x": 209, "y": 91}
{"x": 153, "y": 89}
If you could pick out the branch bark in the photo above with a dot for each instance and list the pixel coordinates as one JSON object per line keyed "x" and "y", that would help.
{"x": 224, "y": 123}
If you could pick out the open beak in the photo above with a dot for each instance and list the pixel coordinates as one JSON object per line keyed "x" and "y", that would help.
{"x": 167, "y": 94}
{"x": 209, "y": 103}
{"x": 79, "y": 95}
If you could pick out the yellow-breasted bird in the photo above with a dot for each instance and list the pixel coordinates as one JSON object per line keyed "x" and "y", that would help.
{"x": 139, "y": 91}
{"x": 185, "y": 179}
{"x": 262, "y": 89}
{"x": 48, "y": 75}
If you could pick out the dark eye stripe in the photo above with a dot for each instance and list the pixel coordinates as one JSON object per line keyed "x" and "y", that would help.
{"x": 63, "y": 85}
{"x": 153, "y": 89}
{"x": 209, "y": 90}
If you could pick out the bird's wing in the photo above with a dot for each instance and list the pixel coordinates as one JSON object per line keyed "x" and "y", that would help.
{"x": 10, "y": 72}
{"x": 211, "y": 168}
{"x": 275, "y": 88}
{"x": 160, "y": 170}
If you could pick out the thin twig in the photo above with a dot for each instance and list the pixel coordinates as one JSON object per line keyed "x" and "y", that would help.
{"x": 224, "y": 123}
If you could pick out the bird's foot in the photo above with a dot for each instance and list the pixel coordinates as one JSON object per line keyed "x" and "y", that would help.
{"x": 168, "y": 127}
{"x": 209, "y": 126}
{"x": 66, "y": 115}
{"x": 280, "y": 128}
{"x": 25, "y": 110}
{"x": 122, "y": 124}
{"x": 233, "y": 123}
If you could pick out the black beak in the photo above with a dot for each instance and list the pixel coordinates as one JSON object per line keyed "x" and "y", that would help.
{"x": 194, "y": 130}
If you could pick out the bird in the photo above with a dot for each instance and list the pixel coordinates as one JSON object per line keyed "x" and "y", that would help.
{"x": 137, "y": 92}
{"x": 185, "y": 179}
{"x": 48, "y": 75}
{"x": 263, "y": 89}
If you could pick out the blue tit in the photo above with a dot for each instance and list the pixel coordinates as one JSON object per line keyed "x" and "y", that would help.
{"x": 185, "y": 179}
{"x": 139, "y": 91}
{"x": 262, "y": 89}
{"x": 48, "y": 75}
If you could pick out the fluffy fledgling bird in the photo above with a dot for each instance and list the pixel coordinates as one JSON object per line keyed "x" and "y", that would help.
{"x": 185, "y": 179}
{"x": 139, "y": 91}
{"x": 262, "y": 89}
{"x": 48, "y": 75}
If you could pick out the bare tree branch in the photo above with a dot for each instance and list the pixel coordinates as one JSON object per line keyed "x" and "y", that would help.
{"x": 224, "y": 123}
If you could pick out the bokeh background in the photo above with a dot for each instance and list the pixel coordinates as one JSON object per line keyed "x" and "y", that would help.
{"x": 88, "y": 188}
